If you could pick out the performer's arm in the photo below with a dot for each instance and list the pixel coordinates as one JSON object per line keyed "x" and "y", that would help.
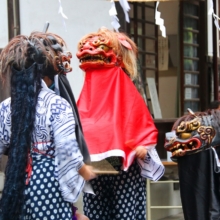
{"x": 86, "y": 172}
{"x": 68, "y": 158}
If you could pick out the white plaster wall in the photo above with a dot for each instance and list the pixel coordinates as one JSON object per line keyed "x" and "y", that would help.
{"x": 170, "y": 16}
{"x": 4, "y": 92}
{"x": 84, "y": 16}
{"x": 3, "y": 23}
{"x": 168, "y": 78}
{"x": 168, "y": 92}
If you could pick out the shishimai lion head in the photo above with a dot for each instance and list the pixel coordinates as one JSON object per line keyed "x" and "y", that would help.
{"x": 193, "y": 133}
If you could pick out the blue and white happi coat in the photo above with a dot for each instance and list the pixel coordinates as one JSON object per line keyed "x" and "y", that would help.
{"x": 54, "y": 133}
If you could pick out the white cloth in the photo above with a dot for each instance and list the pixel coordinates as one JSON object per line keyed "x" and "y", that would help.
{"x": 151, "y": 167}
{"x": 54, "y": 128}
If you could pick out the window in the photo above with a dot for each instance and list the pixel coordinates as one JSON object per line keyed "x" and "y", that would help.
{"x": 193, "y": 72}
{"x": 144, "y": 33}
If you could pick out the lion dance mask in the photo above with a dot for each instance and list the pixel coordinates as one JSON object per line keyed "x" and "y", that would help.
{"x": 193, "y": 133}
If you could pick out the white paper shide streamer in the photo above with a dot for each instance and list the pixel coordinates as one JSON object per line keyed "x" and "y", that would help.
{"x": 124, "y": 4}
{"x": 159, "y": 21}
{"x": 211, "y": 12}
{"x": 113, "y": 13}
{"x": 60, "y": 11}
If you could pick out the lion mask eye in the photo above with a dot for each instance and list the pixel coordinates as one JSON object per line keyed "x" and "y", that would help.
{"x": 104, "y": 47}
{"x": 185, "y": 135}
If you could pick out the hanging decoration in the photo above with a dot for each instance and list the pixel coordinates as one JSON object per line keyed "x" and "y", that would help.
{"x": 60, "y": 11}
{"x": 211, "y": 12}
{"x": 112, "y": 12}
{"x": 160, "y": 21}
{"x": 124, "y": 4}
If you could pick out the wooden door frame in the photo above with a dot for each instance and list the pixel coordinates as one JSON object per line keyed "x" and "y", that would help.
{"x": 13, "y": 18}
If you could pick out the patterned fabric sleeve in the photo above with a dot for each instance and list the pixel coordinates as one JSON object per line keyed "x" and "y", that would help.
{"x": 5, "y": 124}
{"x": 68, "y": 159}
{"x": 151, "y": 167}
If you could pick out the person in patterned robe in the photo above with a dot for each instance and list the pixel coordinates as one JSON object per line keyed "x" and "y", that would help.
{"x": 45, "y": 171}
{"x": 117, "y": 127}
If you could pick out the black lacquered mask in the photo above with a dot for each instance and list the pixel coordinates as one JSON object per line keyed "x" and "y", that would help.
{"x": 193, "y": 133}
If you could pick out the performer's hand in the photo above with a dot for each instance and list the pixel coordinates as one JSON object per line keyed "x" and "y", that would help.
{"x": 141, "y": 152}
{"x": 80, "y": 216}
{"x": 87, "y": 172}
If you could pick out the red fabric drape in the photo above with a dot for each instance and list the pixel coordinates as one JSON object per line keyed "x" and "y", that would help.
{"x": 114, "y": 116}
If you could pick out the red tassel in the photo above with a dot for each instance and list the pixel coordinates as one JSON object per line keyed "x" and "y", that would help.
{"x": 29, "y": 168}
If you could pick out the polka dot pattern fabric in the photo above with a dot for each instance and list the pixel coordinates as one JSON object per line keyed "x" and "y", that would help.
{"x": 43, "y": 197}
{"x": 118, "y": 197}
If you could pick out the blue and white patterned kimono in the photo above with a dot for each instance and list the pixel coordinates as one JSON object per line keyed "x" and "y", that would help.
{"x": 55, "y": 183}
